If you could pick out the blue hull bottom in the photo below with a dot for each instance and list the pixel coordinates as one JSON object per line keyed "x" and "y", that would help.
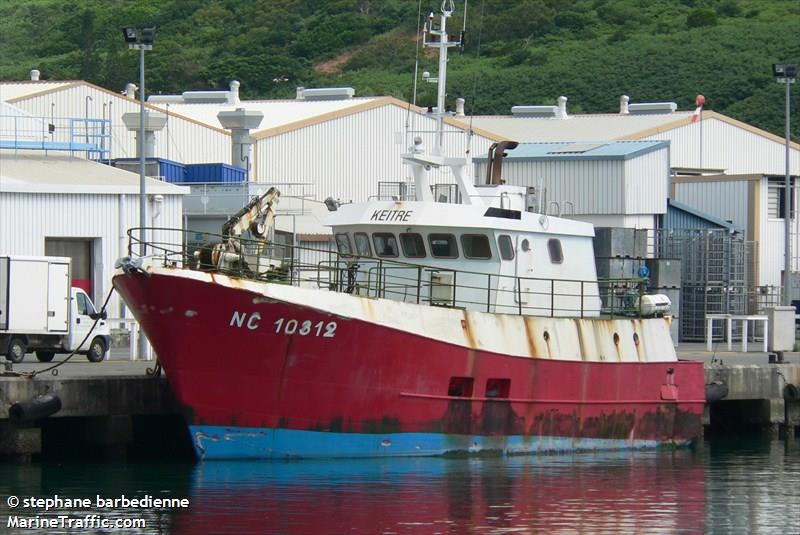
{"x": 217, "y": 442}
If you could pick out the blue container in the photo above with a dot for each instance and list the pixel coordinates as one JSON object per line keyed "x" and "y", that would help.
{"x": 214, "y": 173}
{"x": 171, "y": 171}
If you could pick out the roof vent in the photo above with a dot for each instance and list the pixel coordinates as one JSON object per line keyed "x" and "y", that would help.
{"x": 326, "y": 93}
{"x": 535, "y": 111}
{"x": 130, "y": 90}
{"x": 233, "y": 95}
{"x": 35, "y": 75}
{"x": 459, "y": 107}
{"x": 562, "y": 107}
{"x": 165, "y": 99}
{"x": 623, "y": 104}
{"x": 205, "y": 97}
{"x": 646, "y": 108}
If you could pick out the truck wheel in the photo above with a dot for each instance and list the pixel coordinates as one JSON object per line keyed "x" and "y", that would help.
{"x": 45, "y": 356}
{"x": 97, "y": 350}
{"x": 16, "y": 350}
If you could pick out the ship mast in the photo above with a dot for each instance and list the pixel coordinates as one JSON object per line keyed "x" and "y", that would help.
{"x": 420, "y": 161}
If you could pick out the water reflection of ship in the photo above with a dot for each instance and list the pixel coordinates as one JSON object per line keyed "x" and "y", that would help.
{"x": 655, "y": 492}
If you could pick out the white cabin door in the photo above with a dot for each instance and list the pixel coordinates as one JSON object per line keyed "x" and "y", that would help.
{"x": 81, "y": 321}
{"x": 524, "y": 270}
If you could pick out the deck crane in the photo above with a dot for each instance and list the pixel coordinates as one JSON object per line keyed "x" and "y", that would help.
{"x": 232, "y": 254}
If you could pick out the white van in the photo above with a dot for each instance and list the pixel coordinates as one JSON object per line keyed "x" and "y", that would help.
{"x": 41, "y": 312}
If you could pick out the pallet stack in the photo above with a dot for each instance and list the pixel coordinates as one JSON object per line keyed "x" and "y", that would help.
{"x": 620, "y": 253}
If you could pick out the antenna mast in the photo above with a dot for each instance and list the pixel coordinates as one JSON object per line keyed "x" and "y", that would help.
{"x": 417, "y": 157}
{"x": 442, "y": 42}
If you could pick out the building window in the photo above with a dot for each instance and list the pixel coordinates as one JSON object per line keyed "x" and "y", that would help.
{"x": 476, "y": 246}
{"x": 506, "y": 247}
{"x": 343, "y": 244}
{"x": 775, "y": 199}
{"x": 385, "y": 244}
{"x": 498, "y": 388}
{"x": 413, "y": 245}
{"x": 443, "y": 245}
{"x": 554, "y": 248}
{"x": 362, "y": 244}
{"x": 460, "y": 387}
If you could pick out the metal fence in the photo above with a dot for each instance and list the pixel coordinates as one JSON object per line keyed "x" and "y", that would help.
{"x": 383, "y": 278}
{"x": 71, "y": 134}
{"x": 717, "y": 276}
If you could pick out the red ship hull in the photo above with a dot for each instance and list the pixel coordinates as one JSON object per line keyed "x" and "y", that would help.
{"x": 263, "y": 378}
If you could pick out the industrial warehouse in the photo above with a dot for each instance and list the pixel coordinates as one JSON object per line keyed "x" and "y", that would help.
{"x": 707, "y": 190}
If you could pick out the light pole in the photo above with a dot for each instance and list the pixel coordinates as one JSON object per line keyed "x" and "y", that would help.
{"x": 141, "y": 39}
{"x": 786, "y": 74}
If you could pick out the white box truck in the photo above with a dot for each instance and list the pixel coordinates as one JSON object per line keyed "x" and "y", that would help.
{"x": 41, "y": 312}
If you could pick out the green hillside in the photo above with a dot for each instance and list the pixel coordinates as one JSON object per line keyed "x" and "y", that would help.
{"x": 518, "y": 51}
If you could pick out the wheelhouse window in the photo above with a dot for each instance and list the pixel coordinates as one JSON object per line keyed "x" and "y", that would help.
{"x": 476, "y": 246}
{"x": 506, "y": 247}
{"x": 443, "y": 245}
{"x": 554, "y": 248}
{"x": 343, "y": 244}
{"x": 362, "y": 244}
{"x": 413, "y": 245}
{"x": 385, "y": 244}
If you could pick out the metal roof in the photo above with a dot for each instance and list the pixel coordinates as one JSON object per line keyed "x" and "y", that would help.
{"x": 276, "y": 112}
{"x": 601, "y": 150}
{"x": 681, "y": 215}
{"x": 22, "y": 172}
{"x": 575, "y": 127}
{"x": 12, "y": 90}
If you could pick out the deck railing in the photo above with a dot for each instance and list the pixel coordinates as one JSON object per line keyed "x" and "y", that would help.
{"x": 397, "y": 280}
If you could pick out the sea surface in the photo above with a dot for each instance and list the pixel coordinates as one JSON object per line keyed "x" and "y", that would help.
{"x": 723, "y": 487}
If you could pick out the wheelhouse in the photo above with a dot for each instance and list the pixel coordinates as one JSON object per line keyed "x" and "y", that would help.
{"x": 464, "y": 254}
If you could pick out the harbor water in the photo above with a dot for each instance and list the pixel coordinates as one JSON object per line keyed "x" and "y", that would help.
{"x": 723, "y": 487}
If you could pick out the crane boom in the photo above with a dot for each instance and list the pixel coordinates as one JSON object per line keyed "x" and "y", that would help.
{"x": 256, "y": 216}
{"x": 231, "y": 255}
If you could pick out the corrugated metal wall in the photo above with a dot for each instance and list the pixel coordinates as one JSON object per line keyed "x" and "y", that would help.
{"x": 24, "y": 225}
{"x": 724, "y": 146}
{"x": 635, "y": 186}
{"x": 181, "y": 140}
{"x": 646, "y": 183}
{"x": 594, "y": 187}
{"x": 347, "y": 157}
{"x": 726, "y": 200}
{"x": 731, "y": 201}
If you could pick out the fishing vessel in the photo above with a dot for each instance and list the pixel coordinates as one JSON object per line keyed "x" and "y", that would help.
{"x": 435, "y": 328}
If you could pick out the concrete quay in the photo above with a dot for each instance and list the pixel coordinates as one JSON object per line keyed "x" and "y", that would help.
{"x": 763, "y": 395}
{"x": 109, "y": 408}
